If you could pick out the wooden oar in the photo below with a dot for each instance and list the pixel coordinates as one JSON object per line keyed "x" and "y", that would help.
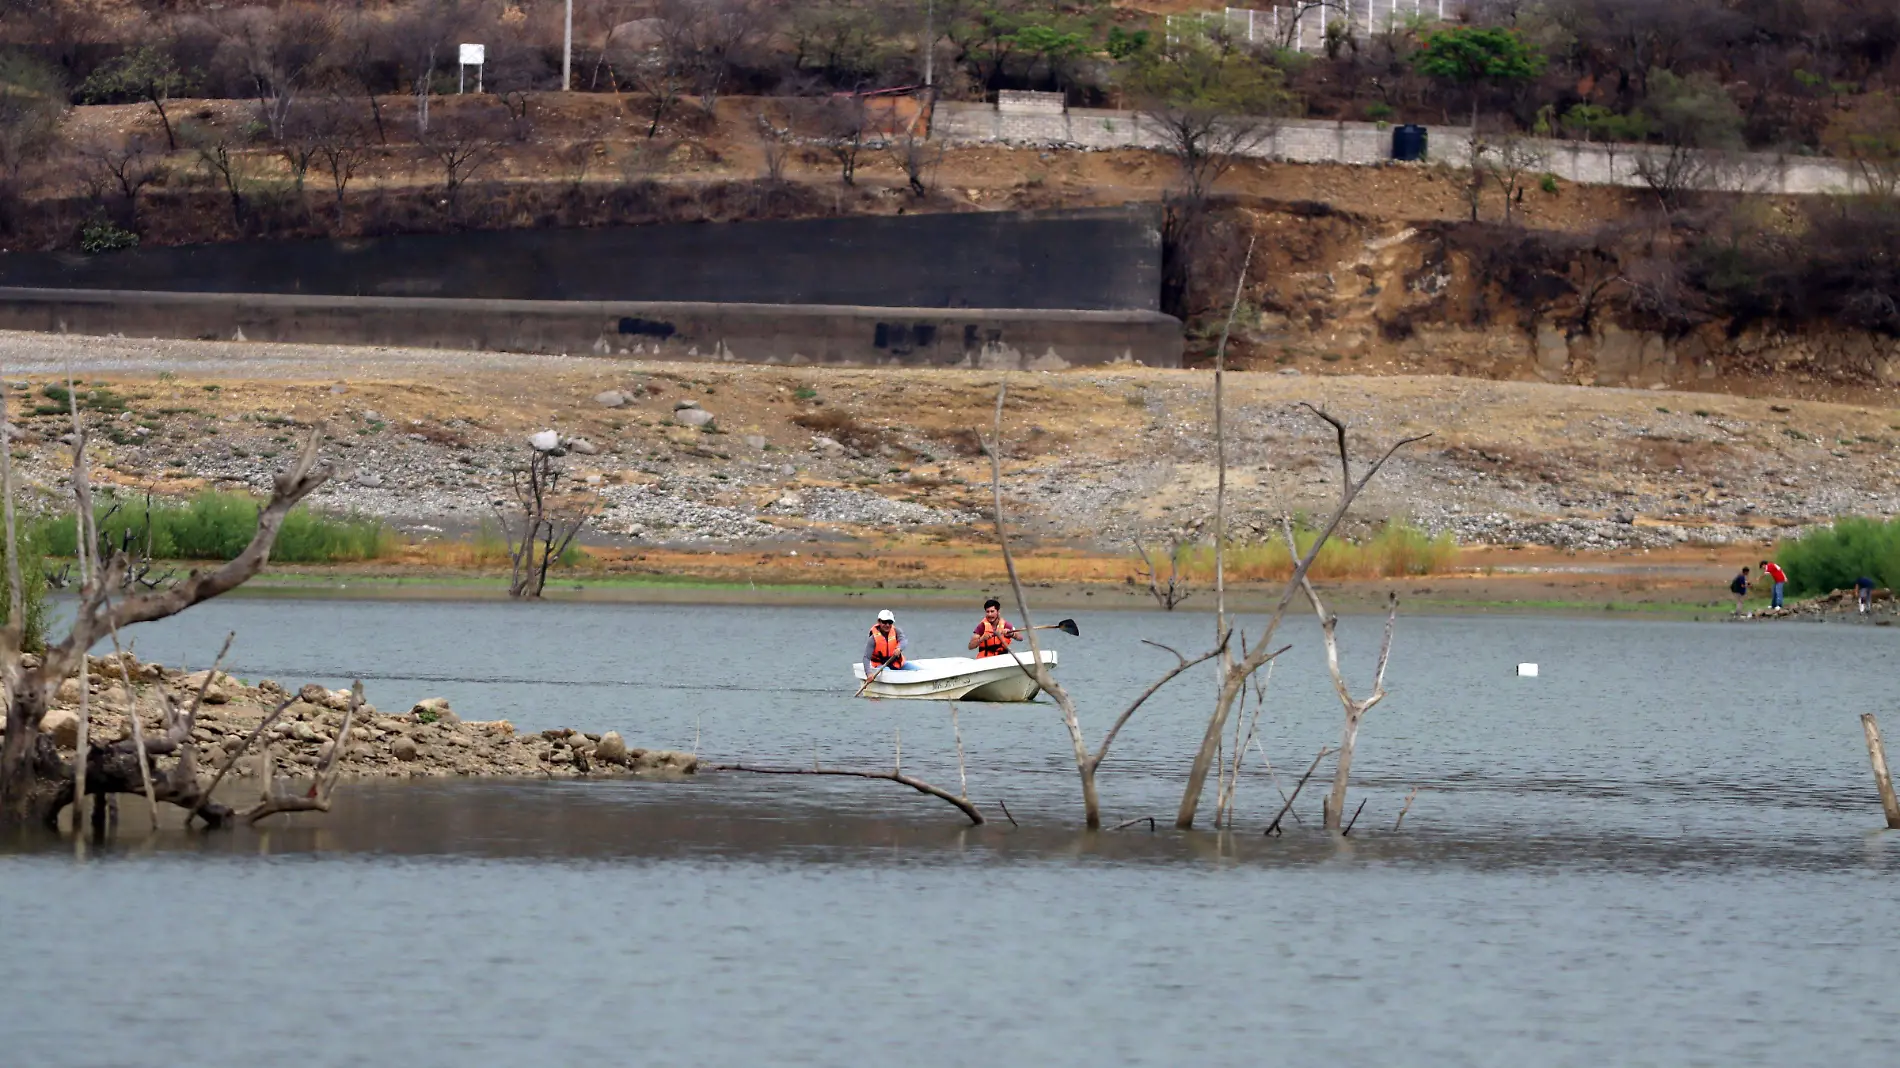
{"x": 871, "y": 679}
{"x": 1067, "y": 626}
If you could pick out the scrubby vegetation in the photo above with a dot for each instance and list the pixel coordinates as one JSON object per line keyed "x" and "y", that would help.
{"x": 1834, "y": 557}
{"x": 1397, "y": 548}
{"x": 217, "y": 526}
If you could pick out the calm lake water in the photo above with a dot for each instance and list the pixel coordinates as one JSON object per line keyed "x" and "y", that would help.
{"x": 1664, "y": 850}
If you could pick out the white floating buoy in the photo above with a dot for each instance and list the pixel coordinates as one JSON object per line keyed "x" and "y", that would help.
{"x": 1527, "y": 670}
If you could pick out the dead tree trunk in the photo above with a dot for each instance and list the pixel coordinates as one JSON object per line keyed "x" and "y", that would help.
{"x": 1255, "y": 655}
{"x": 1086, "y": 762}
{"x": 35, "y": 783}
{"x": 542, "y": 528}
{"x": 1355, "y": 709}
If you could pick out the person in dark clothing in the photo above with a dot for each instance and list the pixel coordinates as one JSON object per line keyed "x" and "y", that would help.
{"x": 1739, "y": 587}
{"x": 1864, "y": 593}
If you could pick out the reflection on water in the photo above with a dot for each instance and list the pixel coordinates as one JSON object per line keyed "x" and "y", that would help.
{"x": 1662, "y": 851}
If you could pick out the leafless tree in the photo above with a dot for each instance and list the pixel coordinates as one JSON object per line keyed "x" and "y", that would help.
{"x": 775, "y": 147}
{"x": 919, "y": 157}
{"x": 1507, "y": 160}
{"x": 841, "y": 124}
{"x": 341, "y": 143}
{"x": 1253, "y": 656}
{"x": 542, "y": 523}
{"x": 116, "y": 169}
{"x": 1355, "y": 708}
{"x": 1175, "y": 590}
{"x": 279, "y": 52}
{"x": 661, "y": 74}
{"x": 222, "y": 156}
{"x": 423, "y": 34}
{"x": 1087, "y": 763}
{"x": 461, "y": 146}
{"x": 35, "y": 782}
{"x": 610, "y": 23}
{"x": 515, "y": 73}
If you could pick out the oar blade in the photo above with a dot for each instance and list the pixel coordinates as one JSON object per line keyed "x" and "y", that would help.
{"x": 1068, "y": 626}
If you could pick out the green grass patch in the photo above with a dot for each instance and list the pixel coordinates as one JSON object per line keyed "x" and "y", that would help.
{"x": 217, "y": 526}
{"x": 97, "y": 399}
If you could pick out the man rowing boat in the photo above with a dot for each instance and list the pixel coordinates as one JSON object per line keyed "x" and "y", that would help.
{"x": 884, "y": 647}
{"x": 993, "y": 633}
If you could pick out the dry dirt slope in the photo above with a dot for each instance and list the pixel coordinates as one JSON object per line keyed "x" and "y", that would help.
{"x": 425, "y": 438}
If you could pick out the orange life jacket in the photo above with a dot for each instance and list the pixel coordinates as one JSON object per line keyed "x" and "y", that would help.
{"x": 994, "y": 641}
{"x": 884, "y": 648}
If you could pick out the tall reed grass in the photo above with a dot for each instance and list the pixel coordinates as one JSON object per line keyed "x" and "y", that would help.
{"x": 1833, "y": 557}
{"x": 217, "y": 526}
{"x": 1397, "y": 548}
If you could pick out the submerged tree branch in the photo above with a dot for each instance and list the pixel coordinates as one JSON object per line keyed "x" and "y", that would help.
{"x": 894, "y": 775}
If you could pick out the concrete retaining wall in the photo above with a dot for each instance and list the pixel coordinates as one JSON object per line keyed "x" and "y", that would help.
{"x": 1093, "y": 259}
{"x": 1037, "y": 122}
{"x": 1028, "y": 339}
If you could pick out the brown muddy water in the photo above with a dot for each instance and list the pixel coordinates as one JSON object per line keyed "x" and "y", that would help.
{"x": 1662, "y": 851}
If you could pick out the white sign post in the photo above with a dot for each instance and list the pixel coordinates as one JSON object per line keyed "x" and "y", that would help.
{"x": 473, "y": 55}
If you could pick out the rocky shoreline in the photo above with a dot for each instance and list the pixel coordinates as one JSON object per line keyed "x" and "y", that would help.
{"x": 429, "y": 740}
{"x": 1837, "y": 607}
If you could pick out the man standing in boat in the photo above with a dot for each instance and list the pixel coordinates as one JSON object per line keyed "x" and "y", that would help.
{"x": 993, "y": 632}
{"x": 884, "y": 647}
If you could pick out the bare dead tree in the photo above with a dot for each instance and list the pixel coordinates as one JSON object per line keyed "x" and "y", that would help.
{"x": 919, "y": 157}
{"x": 896, "y": 775}
{"x": 342, "y": 145}
{"x": 115, "y": 170}
{"x": 775, "y": 148}
{"x": 1356, "y": 708}
{"x": 276, "y": 800}
{"x": 462, "y": 146}
{"x": 542, "y": 524}
{"x": 1087, "y": 763}
{"x": 842, "y": 124}
{"x": 1255, "y": 655}
{"x": 223, "y": 158}
{"x": 1508, "y": 160}
{"x": 35, "y": 783}
{"x": 1176, "y": 590}
{"x": 279, "y": 51}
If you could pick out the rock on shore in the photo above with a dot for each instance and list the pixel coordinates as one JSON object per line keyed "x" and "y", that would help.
{"x": 428, "y": 740}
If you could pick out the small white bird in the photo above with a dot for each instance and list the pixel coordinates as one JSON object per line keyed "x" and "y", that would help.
{"x": 545, "y": 441}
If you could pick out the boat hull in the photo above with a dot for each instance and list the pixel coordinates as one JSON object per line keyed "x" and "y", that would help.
{"x": 957, "y": 678}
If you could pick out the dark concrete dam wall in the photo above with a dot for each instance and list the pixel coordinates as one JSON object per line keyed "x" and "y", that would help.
{"x": 1091, "y": 260}
{"x": 1033, "y": 339}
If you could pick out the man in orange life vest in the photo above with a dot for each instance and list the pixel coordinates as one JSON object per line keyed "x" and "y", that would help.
{"x": 884, "y": 648}
{"x": 993, "y": 633}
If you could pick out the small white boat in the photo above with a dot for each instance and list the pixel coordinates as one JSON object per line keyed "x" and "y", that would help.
{"x": 959, "y": 678}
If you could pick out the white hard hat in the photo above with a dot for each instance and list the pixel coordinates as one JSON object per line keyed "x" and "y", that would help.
{"x": 886, "y": 617}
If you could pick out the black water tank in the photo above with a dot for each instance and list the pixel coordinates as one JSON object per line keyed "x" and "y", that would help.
{"x": 1408, "y": 142}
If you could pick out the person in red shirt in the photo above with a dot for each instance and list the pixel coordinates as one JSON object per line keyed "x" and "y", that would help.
{"x": 993, "y": 634}
{"x": 1774, "y": 574}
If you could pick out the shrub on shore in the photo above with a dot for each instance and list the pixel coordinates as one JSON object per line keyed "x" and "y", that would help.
{"x": 217, "y": 526}
{"x": 1398, "y": 548}
{"x": 1833, "y": 557}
